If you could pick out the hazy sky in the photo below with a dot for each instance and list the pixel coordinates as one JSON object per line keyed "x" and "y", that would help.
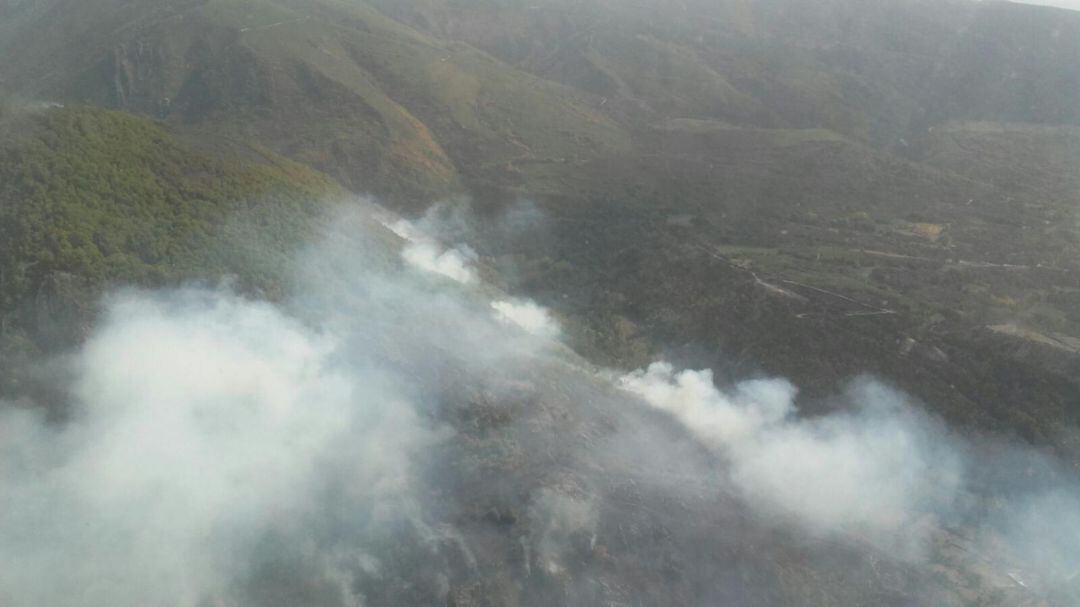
{"x": 1073, "y": 4}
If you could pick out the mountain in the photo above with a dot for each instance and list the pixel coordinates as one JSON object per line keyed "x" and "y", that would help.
{"x": 332, "y": 84}
{"x": 775, "y": 142}
{"x": 813, "y": 145}
{"x": 815, "y": 190}
{"x": 871, "y": 70}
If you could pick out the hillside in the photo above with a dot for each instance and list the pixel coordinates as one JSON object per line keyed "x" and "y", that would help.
{"x": 780, "y": 144}
{"x": 331, "y": 84}
{"x": 771, "y": 143}
{"x": 876, "y": 71}
{"x": 91, "y": 199}
{"x": 431, "y": 240}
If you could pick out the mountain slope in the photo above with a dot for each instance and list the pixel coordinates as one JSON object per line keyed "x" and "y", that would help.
{"x": 871, "y": 70}
{"x": 91, "y": 199}
{"x": 817, "y": 191}
{"x": 332, "y": 84}
{"x": 796, "y": 144}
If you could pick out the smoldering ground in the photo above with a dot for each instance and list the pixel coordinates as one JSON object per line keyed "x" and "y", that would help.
{"x": 385, "y": 436}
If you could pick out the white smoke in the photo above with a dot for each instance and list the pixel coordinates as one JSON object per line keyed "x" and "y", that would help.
{"x": 561, "y": 522}
{"x": 871, "y": 471}
{"x": 1043, "y": 530}
{"x": 422, "y": 251}
{"x": 404, "y": 229}
{"x": 454, "y": 264}
{"x": 202, "y": 421}
{"x": 457, "y": 222}
{"x": 425, "y": 253}
{"x": 717, "y": 418}
{"x": 222, "y": 451}
{"x": 528, "y": 316}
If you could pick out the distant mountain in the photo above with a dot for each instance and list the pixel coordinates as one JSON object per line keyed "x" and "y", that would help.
{"x": 91, "y": 199}
{"x": 872, "y": 70}
{"x": 332, "y": 84}
{"x": 401, "y": 106}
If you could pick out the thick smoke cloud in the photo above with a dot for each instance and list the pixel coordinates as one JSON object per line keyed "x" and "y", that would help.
{"x": 870, "y": 471}
{"x": 883, "y": 472}
{"x": 203, "y": 421}
{"x": 205, "y": 427}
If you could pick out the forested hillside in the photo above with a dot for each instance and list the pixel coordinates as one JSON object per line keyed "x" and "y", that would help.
{"x": 92, "y": 198}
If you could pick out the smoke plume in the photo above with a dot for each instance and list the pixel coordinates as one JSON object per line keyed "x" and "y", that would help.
{"x": 528, "y": 316}
{"x": 873, "y": 469}
{"x": 424, "y": 253}
{"x": 202, "y": 422}
{"x": 382, "y": 438}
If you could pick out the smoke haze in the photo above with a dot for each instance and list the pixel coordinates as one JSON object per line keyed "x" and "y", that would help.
{"x": 201, "y": 422}
{"x": 384, "y": 436}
